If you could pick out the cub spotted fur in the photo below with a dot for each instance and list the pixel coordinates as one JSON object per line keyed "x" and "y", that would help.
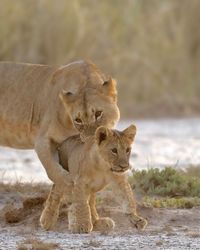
{"x": 40, "y": 106}
{"x": 103, "y": 159}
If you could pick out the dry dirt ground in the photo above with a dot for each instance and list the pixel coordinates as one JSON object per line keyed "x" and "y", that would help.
{"x": 21, "y": 206}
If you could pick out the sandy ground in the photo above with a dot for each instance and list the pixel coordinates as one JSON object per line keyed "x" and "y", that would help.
{"x": 20, "y": 208}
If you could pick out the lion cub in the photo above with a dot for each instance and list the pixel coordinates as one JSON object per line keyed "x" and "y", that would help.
{"x": 103, "y": 159}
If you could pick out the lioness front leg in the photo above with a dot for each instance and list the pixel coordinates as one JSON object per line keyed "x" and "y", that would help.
{"x": 102, "y": 224}
{"x": 50, "y": 212}
{"x": 46, "y": 151}
{"x": 79, "y": 214}
{"x": 125, "y": 193}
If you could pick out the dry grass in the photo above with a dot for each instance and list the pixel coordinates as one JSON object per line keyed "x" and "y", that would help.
{"x": 31, "y": 202}
{"x": 194, "y": 234}
{"x": 25, "y": 187}
{"x": 193, "y": 171}
{"x": 36, "y": 244}
{"x": 22, "y": 200}
{"x": 12, "y": 214}
{"x": 15, "y": 215}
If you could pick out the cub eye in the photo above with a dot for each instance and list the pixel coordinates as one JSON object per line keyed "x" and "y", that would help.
{"x": 114, "y": 151}
{"x": 78, "y": 121}
{"x": 128, "y": 150}
{"x": 98, "y": 114}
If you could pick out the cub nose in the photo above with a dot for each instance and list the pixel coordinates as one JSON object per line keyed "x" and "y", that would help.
{"x": 124, "y": 166}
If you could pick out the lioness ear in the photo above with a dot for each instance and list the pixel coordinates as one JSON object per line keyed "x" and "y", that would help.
{"x": 109, "y": 88}
{"x": 101, "y": 134}
{"x": 57, "y": 76}
{"x": 130, "y": 132}
{"x": 67, "y": 96}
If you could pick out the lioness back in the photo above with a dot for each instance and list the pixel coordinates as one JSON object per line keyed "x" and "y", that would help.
{"x": 20, "y": 85}
{"x": 21, "y": 77}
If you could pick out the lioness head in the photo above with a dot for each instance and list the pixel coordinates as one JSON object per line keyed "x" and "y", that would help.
{"x": 115, "y": 147}
{"x": 89, "y": 97}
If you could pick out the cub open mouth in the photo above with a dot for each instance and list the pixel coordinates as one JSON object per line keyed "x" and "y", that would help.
{"x": 118, "y": 170}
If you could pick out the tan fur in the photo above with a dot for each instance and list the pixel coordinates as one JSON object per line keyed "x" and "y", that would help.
{"x": 39, "y": 105}
{"x": 103, "y": 159}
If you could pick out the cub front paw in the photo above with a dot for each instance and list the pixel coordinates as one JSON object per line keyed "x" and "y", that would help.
{"x": 81, "y": 228}
{"x": 139, "y": 222}
{"x": 104, "y": 224}
{"x": 48, "y": 219}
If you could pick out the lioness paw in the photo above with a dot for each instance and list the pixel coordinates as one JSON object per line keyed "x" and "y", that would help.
{"x": 139, "y": 222}
{"x": 63, "y": 178}
{"x": 48, "y": 219}
{"x": 104, "y": 224}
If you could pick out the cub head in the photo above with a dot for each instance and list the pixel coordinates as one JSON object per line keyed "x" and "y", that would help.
{"x": 89, "y": 97}
{"x": 115, "y": 147}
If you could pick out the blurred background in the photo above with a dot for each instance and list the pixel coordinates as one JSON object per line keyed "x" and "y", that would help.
{"x": 151, "y": 47}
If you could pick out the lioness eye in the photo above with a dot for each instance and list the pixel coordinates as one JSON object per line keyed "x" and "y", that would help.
{"x": 98, "y": 114}
{"x": 128, "y": 150}
{"x": 78, "y": 120}
{"x": 114, "y": 151}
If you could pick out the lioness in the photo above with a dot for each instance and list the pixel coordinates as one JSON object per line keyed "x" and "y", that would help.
{"x": 40, "y": 106}
{"x": 103, "y": 159}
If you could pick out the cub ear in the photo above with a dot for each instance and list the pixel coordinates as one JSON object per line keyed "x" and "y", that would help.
{"x": 130, "y": 132}
{"x": 67, "y": 96}
{"x": 101, "y": 134}
{"x": 109, "y": 88}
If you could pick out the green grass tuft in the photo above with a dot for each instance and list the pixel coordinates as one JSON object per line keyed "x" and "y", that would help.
{"x": 170, "y": 202}
{"x": 166, "y": 182}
